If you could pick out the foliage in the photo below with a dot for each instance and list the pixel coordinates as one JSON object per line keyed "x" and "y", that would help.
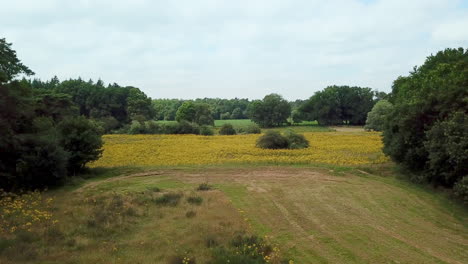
{"x": 423, "y": 132}
{"x": 168, "y": 199}
{"x": 197, "y": 200}
{"x": 338, "y": 105}
{"x": 139, "y": 105}
{"x": 272, "y": 140}
{"x": 199, "y": 113}
{"x": 220, "y": 108}
{"x": 204, "y": 187}
{"x": 81, "y": 138}
{"x": 10, "y": 65}
{"x": 227, "y": 129}
{"x": 272, "y": 111}
{"x": 24, "y": 212}
{"x": 249, "y": 129}
{"x": 94, "y": 100}
{"x": 172, "y": 150}
{"x": 376, "y": 117}
{"x": 246, "y": 250}
{"x": 447, "y": 147}
{"x": 461, "y": 189}
{"x": 206, "y": 131}
{"x": 295, "y": 141}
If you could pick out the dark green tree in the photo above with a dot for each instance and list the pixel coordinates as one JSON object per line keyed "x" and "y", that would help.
{"x": 272, "y": 111}
{"x": 338, "y": 105}
{"x": 424, "y": 103}
{"x": 10, "y": 65}
{"x": 199, "y": 113}
{"x": 377, "y": 116}
{"x": 81, "y": 138}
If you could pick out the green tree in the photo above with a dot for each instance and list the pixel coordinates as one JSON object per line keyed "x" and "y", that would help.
{"x": 10, "y": 65}
{"x": 139, "y": 105}
{"x": 338, "y": 105}
{"x": 424, "y": 102}
{"x": 81, "y": 138}
{"x": 199, "y": 113}
{"x": 272, "y": 111}
{"x": 377, "y": 116}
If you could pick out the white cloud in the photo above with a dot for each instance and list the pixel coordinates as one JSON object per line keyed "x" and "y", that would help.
{"x": 210, "y": 48}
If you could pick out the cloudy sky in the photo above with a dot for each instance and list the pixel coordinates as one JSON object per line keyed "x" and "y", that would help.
{"x": 214, "y": 48}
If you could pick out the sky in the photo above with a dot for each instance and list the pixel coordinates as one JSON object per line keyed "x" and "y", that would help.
{"x": 244, "y": 48}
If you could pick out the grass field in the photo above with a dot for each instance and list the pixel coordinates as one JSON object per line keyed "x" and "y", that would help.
{"x": 311, "y": 214}
{"x": 340, "y": 201}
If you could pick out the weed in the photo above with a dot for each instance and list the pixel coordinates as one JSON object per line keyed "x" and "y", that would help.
{"x": 197, "y": 200}
{"x": 168, "y": 199}
{"x": 154, "y": 189}
{"x": 190, "y": 214}
{"x": 204, "y": 187}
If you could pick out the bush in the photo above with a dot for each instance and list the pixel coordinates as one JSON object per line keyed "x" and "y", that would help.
{"x": 296, "y": 141}
{"x": 272, "y": 140}
{"x": 151, "y": 127}
{"x": 252, "y": 129}
{"x": 197, "y": 200}
{"x": 206, "y": 131}
{"x": 42, "y": 163}
{"x": 82, "y": 139}
{"x": 168, "y": 199}
{"x": 227, "y": 129}
{"x": 447, "y": 144}
{"x": 461, "y": 189}
{"x": 137, "y": 128}
{"x": 185, "y": 127}
{"x": 376, "y": 117}
{"x": 204, "y": 187}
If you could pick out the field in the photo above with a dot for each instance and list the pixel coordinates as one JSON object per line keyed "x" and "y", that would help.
{"x": 340, "y": 201}
{"x": 169, "y": 150}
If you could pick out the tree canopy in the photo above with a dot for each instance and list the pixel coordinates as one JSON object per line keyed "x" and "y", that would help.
{"x": 272, "y": 111}
{"x": 338, "y": 105}
{"x": 429, "y": 105}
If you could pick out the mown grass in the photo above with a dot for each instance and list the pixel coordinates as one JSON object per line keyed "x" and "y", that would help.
{"x": 324, "y": 214}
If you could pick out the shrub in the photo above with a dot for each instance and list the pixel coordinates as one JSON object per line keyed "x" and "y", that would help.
{"x": 252, "y": 129}
{"x": 154, "y": 189}
{"x": 82, "y": 139}
{"x": 168, "y": 199}
{"x": 227, "y": 129}
{"x": 461, "y": 189}
{"x": 376, "y": 117}
{"x": 272, "y": 140}
{"x": 151, "y": 127}
{"x": 42, "y": 163}
{"x": 185, "y": 127}
{"x": 197, "y": 200}
{"x": 206, "y": 131}
{"x": 296, "y": 141}
{"x": 246, "y": 250}
{"x": 136, "y": 128}
{"x": 204, "y": 187}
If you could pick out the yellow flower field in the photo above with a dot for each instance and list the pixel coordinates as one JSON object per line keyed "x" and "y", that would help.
{"x": 168, "y": 150}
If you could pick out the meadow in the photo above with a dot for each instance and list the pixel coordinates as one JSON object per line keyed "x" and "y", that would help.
{"x": 206, "y": 199}
{"x": 170, "y": 150}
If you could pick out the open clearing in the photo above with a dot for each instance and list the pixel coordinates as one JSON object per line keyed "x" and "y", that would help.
{"x": 314, "y": 215}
